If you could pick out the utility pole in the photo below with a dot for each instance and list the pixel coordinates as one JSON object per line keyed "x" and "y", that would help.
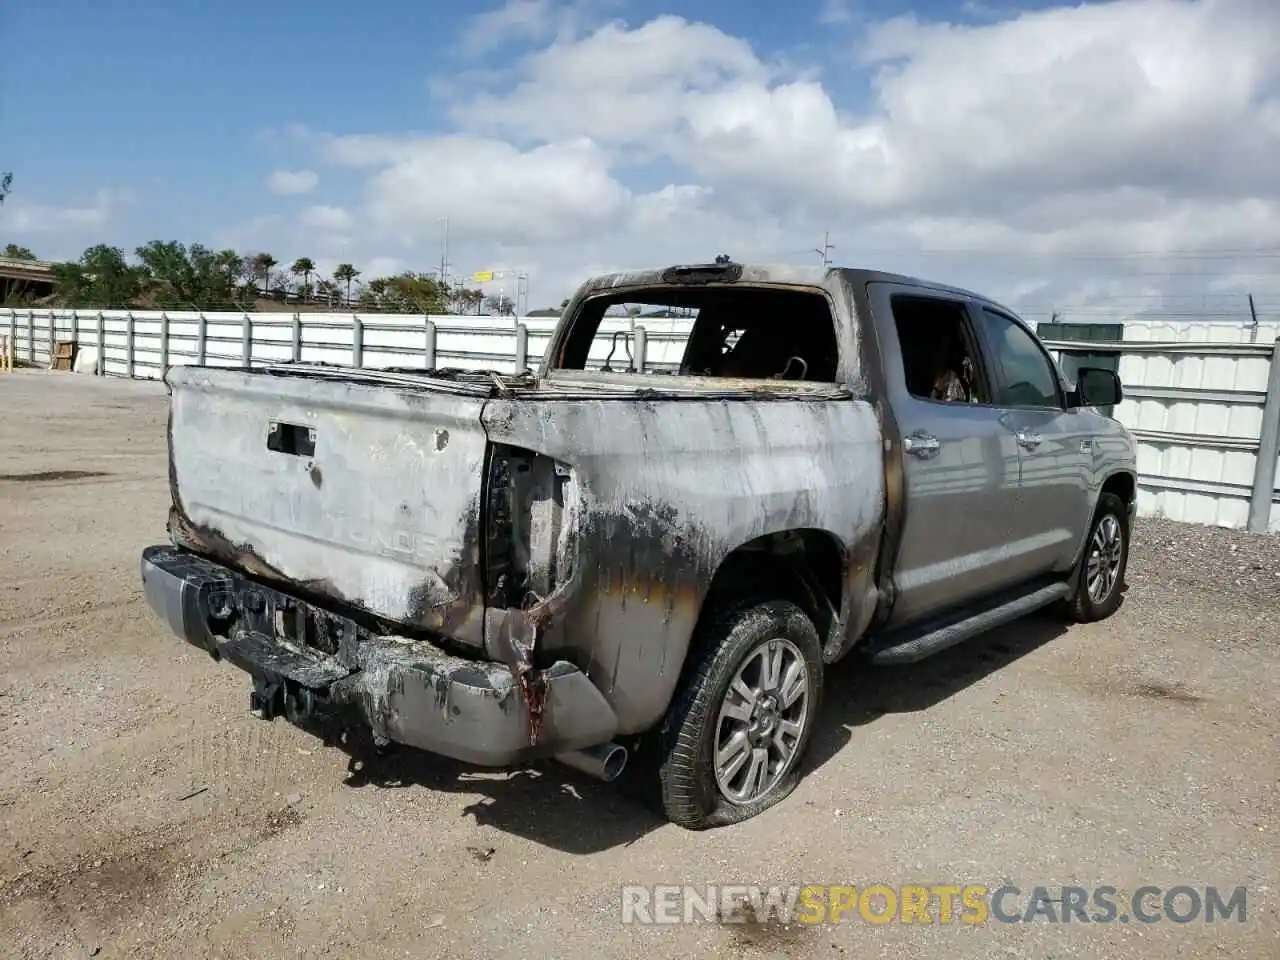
{"x": 825, "y": 251}
{"x": 522, "y": 293}
{"x": 444, "y": 252}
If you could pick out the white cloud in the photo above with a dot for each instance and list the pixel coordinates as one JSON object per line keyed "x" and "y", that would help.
{"x": 382, "y": 267}
{"x": 248, "y": 236}
{"x": 1062, "y": 156}
{"x": 24, "y": 217}
{"x": 530, "y": 20}
{"x": 324, "y": 217}
{"x": 292, "y": 181}
{"x": 836, "y": 11}
{"x": 485, "y": 187}
{"x": 515, "y": 18}
{"x": 616, "y": 85}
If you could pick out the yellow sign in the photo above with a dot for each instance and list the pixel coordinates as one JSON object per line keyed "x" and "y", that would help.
{"x": 484, "y": 276}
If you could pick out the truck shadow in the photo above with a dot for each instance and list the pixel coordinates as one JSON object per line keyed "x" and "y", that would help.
{"x": 857, "y": 694}
{"x": 544, "y": 802}
{"x": 558, "y": 807}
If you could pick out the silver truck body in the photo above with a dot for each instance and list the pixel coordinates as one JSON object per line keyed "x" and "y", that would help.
{"x": 497, "y": 567}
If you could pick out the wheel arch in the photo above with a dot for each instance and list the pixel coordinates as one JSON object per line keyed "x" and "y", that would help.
{"x": 805, "y": 565}
{"x": 1122, "y": 483}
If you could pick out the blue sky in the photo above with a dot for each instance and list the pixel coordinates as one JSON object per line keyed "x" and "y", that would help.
{"x": 181, "y": 112}
{"x": 173, "y": 100}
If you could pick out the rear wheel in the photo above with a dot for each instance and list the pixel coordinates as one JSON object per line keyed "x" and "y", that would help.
{"x": 1103, "y": 565}
{"x": 738, "y": 728}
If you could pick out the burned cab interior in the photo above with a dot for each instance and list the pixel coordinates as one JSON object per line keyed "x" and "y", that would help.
{"x": 940, "y": 356}
{"x": 739, "y": 331}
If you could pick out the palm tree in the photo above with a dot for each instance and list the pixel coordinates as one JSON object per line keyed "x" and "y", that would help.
{"x": 304, "y": 267}
{"x": 263, "y": 264}
{"x": 345, "y": 273}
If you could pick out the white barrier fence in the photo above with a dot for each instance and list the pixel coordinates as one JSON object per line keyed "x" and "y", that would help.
{"x": 143, "y": 343}
{"x": 1203, "y": 400}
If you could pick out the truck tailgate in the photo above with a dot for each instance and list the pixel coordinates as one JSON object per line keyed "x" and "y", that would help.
{"x": 364, "y": 493}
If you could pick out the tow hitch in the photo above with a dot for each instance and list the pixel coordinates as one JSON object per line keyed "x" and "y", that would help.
{"x": 271, "y": 698}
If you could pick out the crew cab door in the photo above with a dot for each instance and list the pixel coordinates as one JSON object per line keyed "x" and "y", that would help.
{"x": 959, "y": 460}
{"x": 1055, "y": 444}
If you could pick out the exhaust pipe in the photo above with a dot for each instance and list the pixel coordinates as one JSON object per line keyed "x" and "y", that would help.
{"x": 604, "y": 761}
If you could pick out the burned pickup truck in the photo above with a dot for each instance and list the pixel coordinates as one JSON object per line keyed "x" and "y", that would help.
{"x": 603, "y": 562}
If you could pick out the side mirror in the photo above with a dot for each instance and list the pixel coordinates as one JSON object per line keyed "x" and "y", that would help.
{"x": 1096, "y": 387}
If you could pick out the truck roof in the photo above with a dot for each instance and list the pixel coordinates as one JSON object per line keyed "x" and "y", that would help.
{"x": 770, "y": 273}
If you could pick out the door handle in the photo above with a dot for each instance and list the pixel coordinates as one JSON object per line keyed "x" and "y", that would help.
{"x": 1028, "y": 440}
{"x": 920, "y": 445}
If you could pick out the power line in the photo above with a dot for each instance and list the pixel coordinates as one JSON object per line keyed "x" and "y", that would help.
{"x": 864, "y": 255}
{"x": 1224, "y": 253}
{"x": 1241, "y": 297}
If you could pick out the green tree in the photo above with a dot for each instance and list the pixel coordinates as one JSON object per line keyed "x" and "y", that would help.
{"x": 406, "y": 293}
{"x": 374, "y": 294}
{"x": 233, "y": 271}
{"x": 420, "y": 293}
{"x": 15, "y": 252}
{"x": 346, "y": 273}
{"x": 304, "y": 267}
{"x": 169, "y": 275}
{"x": 102, "y": 277}
{"x": 190, "y": 278}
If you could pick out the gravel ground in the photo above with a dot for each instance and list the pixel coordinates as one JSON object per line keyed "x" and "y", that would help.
{"x": 144, "y": 813}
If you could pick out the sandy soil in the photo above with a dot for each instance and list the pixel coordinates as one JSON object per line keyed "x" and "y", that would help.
{"x": 143, "y": 812}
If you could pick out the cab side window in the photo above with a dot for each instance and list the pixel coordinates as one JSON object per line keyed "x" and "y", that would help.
{"x": 1026, "y": 377}
{"x": 939, "y": 355}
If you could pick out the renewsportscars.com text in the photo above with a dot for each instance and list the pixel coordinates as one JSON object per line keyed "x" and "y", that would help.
{"x": 964, "y": 903}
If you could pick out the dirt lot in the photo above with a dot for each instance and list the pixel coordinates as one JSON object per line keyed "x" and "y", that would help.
{"x": 143, "y": 812}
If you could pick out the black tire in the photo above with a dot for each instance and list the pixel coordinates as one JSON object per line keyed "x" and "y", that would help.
{"x": 1083, "y": 607}
{"x": 690, "y": 794}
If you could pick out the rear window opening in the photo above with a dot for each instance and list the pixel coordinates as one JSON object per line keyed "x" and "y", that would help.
{"x": 752, "y": 333}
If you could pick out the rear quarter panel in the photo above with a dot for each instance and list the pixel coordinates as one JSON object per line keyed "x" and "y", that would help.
{"x": 667, "y": 489}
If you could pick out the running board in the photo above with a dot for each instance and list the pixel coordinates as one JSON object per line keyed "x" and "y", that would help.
{"x": 935, "y": 638}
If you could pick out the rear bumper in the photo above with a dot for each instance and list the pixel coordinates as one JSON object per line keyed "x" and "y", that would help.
{"x": 411, "y": 692}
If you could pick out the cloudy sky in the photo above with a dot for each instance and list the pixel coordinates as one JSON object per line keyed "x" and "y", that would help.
{"x": 1098, "y": 159}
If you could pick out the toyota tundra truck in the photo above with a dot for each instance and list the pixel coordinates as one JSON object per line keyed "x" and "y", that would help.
{"x": 610, "y": 558}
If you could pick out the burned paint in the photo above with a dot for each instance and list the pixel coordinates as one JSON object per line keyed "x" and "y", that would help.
{"x": 577, "y": 517}
{"x": 393, "y": 528}
{"x": 666, "y": 491}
